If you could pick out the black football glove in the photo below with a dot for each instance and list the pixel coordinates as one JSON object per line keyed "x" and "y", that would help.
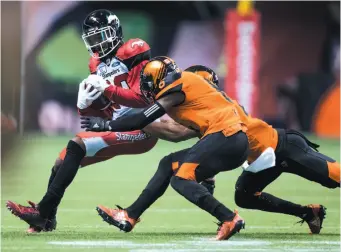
{"x": 91, "y": 123}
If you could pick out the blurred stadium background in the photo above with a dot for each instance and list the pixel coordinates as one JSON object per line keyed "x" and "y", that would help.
{"x": 281, "y": 60}
{"x": 288, "y": 56}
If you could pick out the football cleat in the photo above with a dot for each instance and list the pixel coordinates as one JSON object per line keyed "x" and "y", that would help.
{"x": 315, "y": 223}
{"x": 117, "y": 217}
{"x": 29, "y": 214}
{"x": 227, "y": 229}
{"x": 51, "y": 225}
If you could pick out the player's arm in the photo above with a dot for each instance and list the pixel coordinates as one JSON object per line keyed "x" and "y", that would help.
{"x": 134, "y": 121}
{"x": 170, "y": 131}
{"x": 134, "y": 54}
{"x": 122, "y": 96}
{"x": 128, "y": 97}
{"x": 125, "y": 97}
{"x": 86, "y": 96}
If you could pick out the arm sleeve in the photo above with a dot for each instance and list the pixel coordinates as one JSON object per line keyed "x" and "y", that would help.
{"x": 137, "y": 121}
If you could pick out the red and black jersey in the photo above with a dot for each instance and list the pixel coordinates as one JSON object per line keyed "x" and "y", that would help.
{"x": 122, "y": 71}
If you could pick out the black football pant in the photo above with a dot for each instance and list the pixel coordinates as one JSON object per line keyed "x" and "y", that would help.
{"x": 158, "y": 184}
{"x": 211, "y": 155}
{"x": 294, "y": 154}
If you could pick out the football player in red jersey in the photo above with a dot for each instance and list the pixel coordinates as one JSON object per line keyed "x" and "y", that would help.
{"x": 118, "y": 65}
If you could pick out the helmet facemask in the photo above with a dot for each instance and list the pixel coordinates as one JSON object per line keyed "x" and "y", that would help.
{"x": 100, "y": 42}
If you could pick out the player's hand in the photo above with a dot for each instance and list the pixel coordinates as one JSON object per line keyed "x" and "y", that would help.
{"x": 98, "y": 82}
{"x": 85, "y": 96}
{"x": 98, "y": 124}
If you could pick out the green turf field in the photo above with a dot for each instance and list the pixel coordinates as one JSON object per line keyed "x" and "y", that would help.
{"x": 172, "y": 224}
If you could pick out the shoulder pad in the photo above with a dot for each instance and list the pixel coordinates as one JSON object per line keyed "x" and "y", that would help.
{"x": 133, "y": 52}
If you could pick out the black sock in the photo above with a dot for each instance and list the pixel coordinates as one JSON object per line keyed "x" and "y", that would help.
{"x": 270, "y": 203}
{"x": 52, "y": 176}
{"x": 63, "y": 178}
{"x": 274, "y": 204}
{"x": 200, "y": 196}
{"x": 217, "y": 209}
{"x": 143, "y": 202}
{"x": 154, "y": 190}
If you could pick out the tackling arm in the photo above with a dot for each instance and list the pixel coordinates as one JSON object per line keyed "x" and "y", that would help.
{"x": 170, "y": 131}
{"x": 135, "y": 121}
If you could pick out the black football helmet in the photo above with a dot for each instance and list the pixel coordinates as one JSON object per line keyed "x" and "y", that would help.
{"x": 102, "y": 33}
{"x": 205, "y": 72}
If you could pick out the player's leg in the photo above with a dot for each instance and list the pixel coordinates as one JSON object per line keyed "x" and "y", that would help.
{"x": 249, "y": 194}
{"x": 294, "y": 156}
{"x": 37, "y": 215}
{"x": 302, "y": 160}
{"x": 125, "y": 219}
{"x": 211, "y": 155}
{"x": 107, "y": 144}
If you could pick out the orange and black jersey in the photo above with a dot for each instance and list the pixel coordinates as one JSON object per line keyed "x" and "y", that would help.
{"x": 260, "y": 134}
{"x": 205, "y": 109}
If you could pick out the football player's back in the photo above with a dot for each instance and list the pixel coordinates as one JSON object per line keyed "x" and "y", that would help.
{"x": 205, "y": 108}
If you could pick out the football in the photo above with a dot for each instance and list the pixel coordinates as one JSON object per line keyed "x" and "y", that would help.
{"x": 100, "y": 103}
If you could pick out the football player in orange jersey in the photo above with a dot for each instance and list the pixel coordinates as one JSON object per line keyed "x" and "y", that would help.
{"x": 321, "y": 169}
{"x": 194, "y": 103}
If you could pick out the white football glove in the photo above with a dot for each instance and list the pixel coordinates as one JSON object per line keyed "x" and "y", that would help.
{"x": 85, "y": 96}
{"x": 98, "y": 82}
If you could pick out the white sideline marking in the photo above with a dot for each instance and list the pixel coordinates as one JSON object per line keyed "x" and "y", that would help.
{"x": 313, "y": 242}
{"x": 207, "y": 241}
{"x": 111, "y": 244}
{"x": 221, "y": 244}
{"x": 194, "y": 242}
